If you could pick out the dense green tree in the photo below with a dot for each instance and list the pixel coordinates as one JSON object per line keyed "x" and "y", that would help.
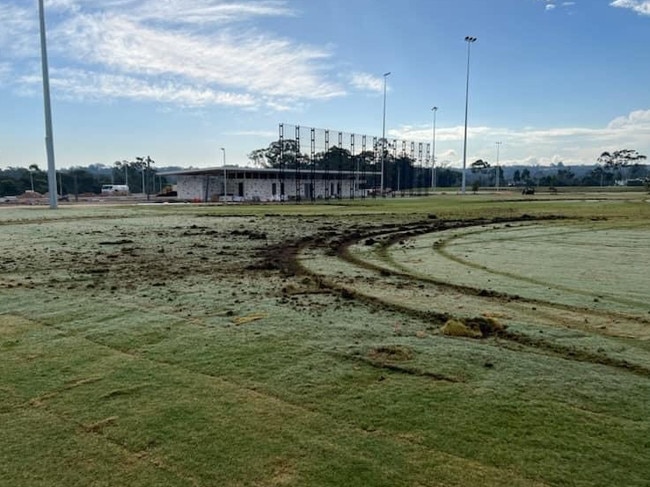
{"x": 285, "y": 153}
{"x": 9, "y": 187}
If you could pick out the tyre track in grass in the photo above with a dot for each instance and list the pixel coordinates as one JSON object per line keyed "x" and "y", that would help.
{"x": 441, "y": 249}
{"x": 288, "y": 260}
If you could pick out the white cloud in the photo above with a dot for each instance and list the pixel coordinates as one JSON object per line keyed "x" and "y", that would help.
{"x": 16, "y": 35}
{"x": 642, "y": 7}
{"x": 5, "y": 70}
{"x": 207, "y": 11}
{"x": 369, "y": 82}
{"x": 552, "y": 5}
{"x": 573, "y": 145}
{"x": 86, "y": 85}
{"x": 151, "y": 48}
{"x": 180, "y": 11}
{"x": 250, "y": 61}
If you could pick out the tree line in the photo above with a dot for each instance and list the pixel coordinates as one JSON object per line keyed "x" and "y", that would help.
{"x": 404, "y": 172}
{"x": 401, "y": 172}
{"x": 140, "y": 175}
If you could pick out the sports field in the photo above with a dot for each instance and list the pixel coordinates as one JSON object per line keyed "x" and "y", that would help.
{"x": 441, "y": 341}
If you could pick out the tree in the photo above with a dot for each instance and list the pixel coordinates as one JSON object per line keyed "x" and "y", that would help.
{"x": 480, "y": 166}
{"x": 8, "y": 187}
{"x": 148, "y": 174}
{"x": 285, "y": 152}
{"x": 620, "y": 159}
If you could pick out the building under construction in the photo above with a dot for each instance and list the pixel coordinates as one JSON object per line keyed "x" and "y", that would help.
{"x": 232, "y": 183}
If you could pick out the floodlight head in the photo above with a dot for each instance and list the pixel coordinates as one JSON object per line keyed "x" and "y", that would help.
{"x": 434, "y": 109}
{"x": 386, "y": 74}
{"x": 470, "y": 39}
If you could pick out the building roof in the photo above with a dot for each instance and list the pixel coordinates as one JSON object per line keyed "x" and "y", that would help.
{"x": 218, "y": 171}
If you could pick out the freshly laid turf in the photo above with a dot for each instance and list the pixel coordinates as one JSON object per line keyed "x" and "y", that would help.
{"x": 302, "y": 345}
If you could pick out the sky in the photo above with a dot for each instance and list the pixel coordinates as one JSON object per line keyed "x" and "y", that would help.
{"x": 552, "y": 81}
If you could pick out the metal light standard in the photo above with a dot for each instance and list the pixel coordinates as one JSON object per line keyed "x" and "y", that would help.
{"x": 469, "y": 41}
{"x": 383, "y": 136}
{"x": 49, "y": 137}
{"x": 497, "y": 168}
{"x": 224, "y": 173}
{"x": 433, "y": 150}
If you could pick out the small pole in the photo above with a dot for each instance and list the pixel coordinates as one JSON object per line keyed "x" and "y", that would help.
{"x": 433, "y": 148}
{"x": 224, "y": 174}
{"x": 497, "y": 168}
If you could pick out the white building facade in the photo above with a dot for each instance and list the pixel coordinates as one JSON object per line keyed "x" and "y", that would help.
{"x": 270, "y": 184}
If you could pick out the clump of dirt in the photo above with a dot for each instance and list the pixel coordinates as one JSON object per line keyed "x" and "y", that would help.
{"x": 251, "y": 234}
{"x": 123, "y": 241}
{"x": 457, "y": 328}
{"x": 480, "y": 327}
{"x": 391, "y": 353}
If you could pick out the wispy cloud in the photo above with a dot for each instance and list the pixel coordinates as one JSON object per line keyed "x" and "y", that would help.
{"x": 369, "y": 82}
{"x": 5, "y": 70}
{"x": 17, "y": 24}
{"x": 87, "y": 85}
{"x": 152, "y": 48}
{"x": 553, "y": 4}
{"x": 181, "y": 11}
{"x": 642, "y": 7}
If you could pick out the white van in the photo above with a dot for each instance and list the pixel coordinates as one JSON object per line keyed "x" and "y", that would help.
{"x": 115, "y": 189}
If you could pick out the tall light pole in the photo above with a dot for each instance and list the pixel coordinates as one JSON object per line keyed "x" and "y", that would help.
{"x": 223, "y": 149}
{"x": 498, "y": 144}
{"x": 49, "y": 138}
{"x": 383, "y": 135}
{"x": 470, "y": 40}
{"x": 433, "y": 149}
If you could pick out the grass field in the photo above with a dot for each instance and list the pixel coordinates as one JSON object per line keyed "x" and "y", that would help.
{"x": 269, "y": 345}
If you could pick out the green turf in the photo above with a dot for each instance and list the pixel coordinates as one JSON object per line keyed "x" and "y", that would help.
{"x": 147, "y": 346}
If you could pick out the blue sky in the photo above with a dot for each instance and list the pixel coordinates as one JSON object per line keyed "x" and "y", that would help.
{"x": 178, "y": 79}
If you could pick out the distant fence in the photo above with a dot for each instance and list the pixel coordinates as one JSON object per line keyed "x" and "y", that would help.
{"x": 398, "y": 167}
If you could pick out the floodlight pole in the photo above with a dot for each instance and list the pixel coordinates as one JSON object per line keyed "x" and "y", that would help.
{"x": 498, "y": 144}
{"x": 433, "y": 150}
{"x": 49, "y": 138}
{"x": 469, "y": 41}
{"x": 383, "y": 136}
{"x": 223, "y": 149}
